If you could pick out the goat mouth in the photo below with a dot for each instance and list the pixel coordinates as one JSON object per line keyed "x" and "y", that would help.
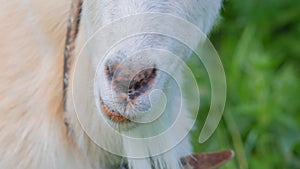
{"x": 113, "y": 115}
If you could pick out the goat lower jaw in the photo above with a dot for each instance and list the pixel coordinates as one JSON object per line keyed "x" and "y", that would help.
{"x": 113, "y": 115}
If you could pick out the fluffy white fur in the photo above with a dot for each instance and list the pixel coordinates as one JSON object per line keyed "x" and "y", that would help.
{"x": 33, "y": 133}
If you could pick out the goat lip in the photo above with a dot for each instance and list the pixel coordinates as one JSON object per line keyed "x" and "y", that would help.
{"x": 113, "y": 115}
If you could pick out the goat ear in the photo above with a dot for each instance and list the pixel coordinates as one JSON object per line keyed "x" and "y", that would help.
{"x": 206, "y": 160}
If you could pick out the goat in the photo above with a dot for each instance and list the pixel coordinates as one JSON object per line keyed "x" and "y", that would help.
{"x": 36, "y": 131}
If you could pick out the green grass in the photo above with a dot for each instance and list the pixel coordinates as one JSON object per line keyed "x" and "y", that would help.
{"x": 259, "y": 45}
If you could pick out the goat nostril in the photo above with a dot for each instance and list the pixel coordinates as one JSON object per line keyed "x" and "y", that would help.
{"x": 120, "y": 76}
{"x": 141, "y": 82}
{"x": 132, "y": 94}
{"x": 137, "y": 85}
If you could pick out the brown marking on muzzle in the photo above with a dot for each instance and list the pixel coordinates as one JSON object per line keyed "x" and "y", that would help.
{"x": 113, "y": 115}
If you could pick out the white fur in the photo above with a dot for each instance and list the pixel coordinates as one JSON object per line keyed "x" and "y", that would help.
{"x": 33, "y": 133}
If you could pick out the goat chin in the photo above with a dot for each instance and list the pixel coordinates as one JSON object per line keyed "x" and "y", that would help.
{"x": 33, "y": 133}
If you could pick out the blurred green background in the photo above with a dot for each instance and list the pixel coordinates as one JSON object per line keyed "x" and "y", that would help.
{"x": 259, "y": 45}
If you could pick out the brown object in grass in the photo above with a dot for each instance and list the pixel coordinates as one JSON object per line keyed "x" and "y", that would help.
{"x": 206, "y": 160}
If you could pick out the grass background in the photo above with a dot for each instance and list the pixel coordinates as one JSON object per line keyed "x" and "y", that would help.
{"x": 259, "y": 45}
